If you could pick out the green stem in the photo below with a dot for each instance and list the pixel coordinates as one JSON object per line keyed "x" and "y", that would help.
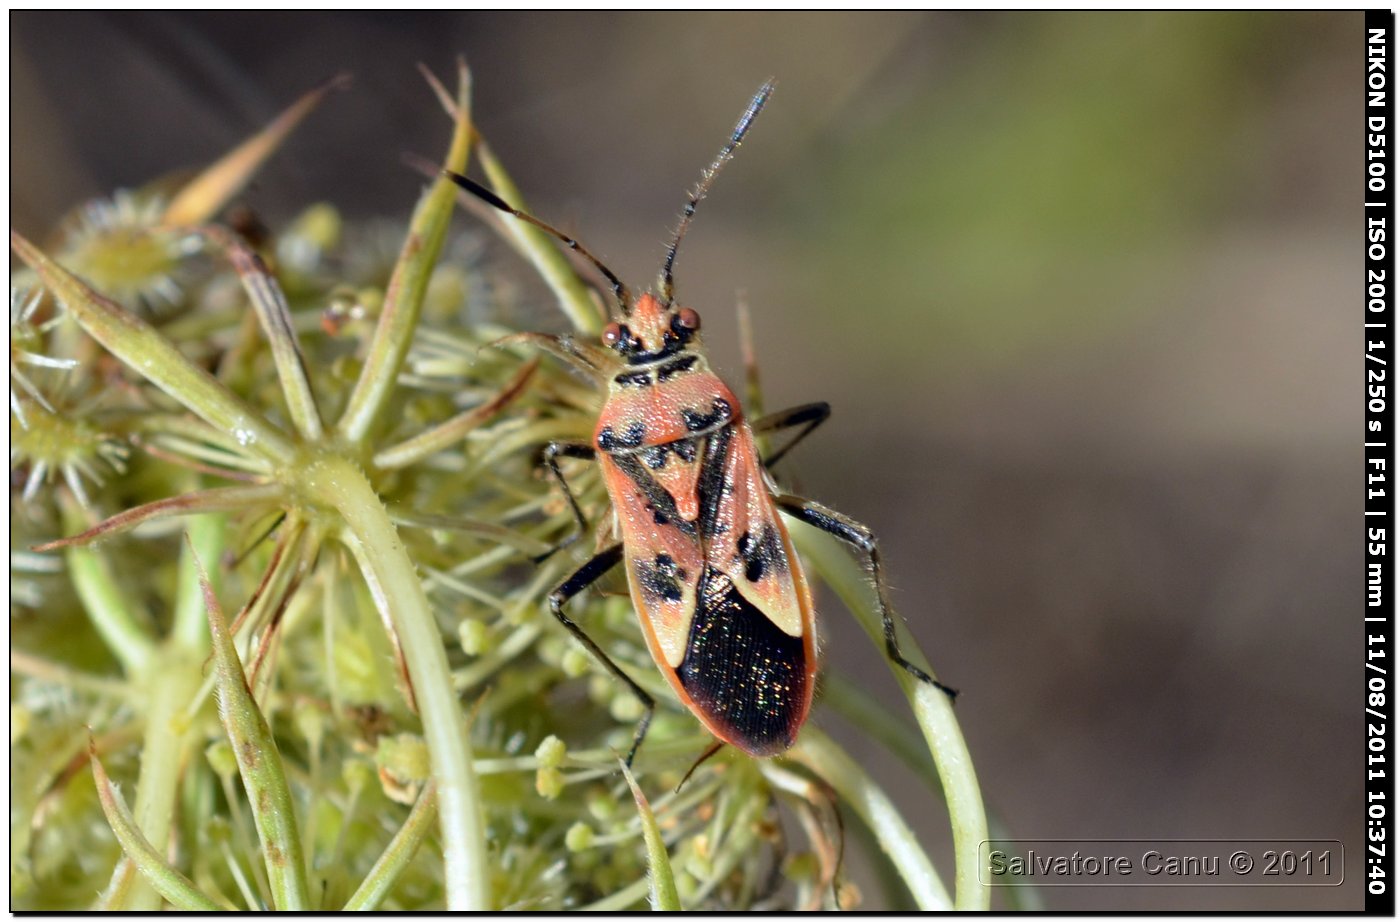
{"x": 216, "y": 499}
{"x": 404, "y": 299}
{"x": 818, "y": 752}
{"x": 575, "y": 300}
{"x": 627, "y": 897}
{"x": 393, "y": 582}
{"x": 661, "y": 882}
{"x": 170, "y": 883}
{"x": 374, "y": 889}
{"x": 276, "y": 318}
{"x": 933, "y": 710}
{"x": 190, "y": 629}
{"x": 107, "y": 606}
{"x": 862, "y": 711}
{"x": 119, "y": 890}
{"x": 259, "y": 764}
{"x": 27, "y": 664}
{"x": 174, "y": 678}
{"x": 445, "y": 435}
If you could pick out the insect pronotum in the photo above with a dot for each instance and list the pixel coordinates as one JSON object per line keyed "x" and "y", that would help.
{"x": 719, "y": 590}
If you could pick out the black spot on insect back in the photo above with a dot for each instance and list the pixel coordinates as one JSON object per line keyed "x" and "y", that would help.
{"x": 660, "y": 579}
{"x": 744, "y": 672}
{"x": 608, "y": 440}
{"x": 634, "y": 379}
{"x": 671, "y": 369}
{"x": 760, "y": 554}
{"x": 654, "y": 456}
{"x": 658, "y": 502}
{"x": 697, "y": 421}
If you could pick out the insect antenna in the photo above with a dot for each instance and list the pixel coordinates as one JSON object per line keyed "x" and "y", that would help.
{"x": 624, "y": 299}
{"x": 725, "y": 155}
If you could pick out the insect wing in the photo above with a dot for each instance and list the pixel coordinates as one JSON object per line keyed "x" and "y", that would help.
{"x": 749, "y": 543}
{"x": 664, "y": 562}
{"x": 749, "y": 666}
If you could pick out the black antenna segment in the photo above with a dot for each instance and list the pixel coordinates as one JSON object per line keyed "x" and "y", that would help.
{"x": 624, "y": 299}
{"x": 725, "y": 155}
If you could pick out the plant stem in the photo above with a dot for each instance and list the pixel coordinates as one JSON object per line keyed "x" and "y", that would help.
{"x": 539, "y": 247}
{"x": 403, "y": 300}
{"x": 174, "y": 677}
{"x": 27, "y": 664}
{"x": 171, "y": 678}
{"x": 276, "y": 318}
{"x": 660, "y": 880}
{"x": 374, "y": 889}
{"x": 620, "y": 899}
{"x": 173, "y": 885}
{"x": 445, "y": 435}
{"x": 818, "y": 752}
{"x": 932, "y": 709}
{"x": 393, "y": 582}
{"x": 107, "y": 606}
{"x": 190, "y": 629}
{"x": 864, "y": 712}
{"x": 260, "y": 766}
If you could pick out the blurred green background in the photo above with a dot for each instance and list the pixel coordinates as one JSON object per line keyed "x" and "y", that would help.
{"x": 1081, "y": 289}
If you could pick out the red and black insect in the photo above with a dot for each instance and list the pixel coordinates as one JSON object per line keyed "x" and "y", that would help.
{"x": 718, "y": 587}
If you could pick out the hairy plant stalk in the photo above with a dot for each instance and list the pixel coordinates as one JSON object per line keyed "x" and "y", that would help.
{"x": 171, "y": 884}
{"x": 404, "y": 298}
{"x": 660, "y": 880}
{"x": 819, "y": 753}
{"x": 112, "y": 613}
{"x": 276, "y": 318}
{"x": 573, "y": 295}
{"x": 932, "y": 710}
{"x": 397, "y": 591}
{"x": 377, "y": 884}
{"x": 190, "y": 628}
{"x": 174, "y": 676}
{"x": 259, "y": 765}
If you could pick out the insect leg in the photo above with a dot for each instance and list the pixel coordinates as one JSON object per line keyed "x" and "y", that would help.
{"x": 568, "y": 450}
{"x": 809, "y": 415}
{"x": 583, "y": 577}
{"x": 859, "y": 537}
{"x": 715, "y": 747}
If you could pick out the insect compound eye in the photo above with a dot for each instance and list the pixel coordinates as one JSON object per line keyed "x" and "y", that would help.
{"x": 687, "y": 319}
{"x": 612, "y": 334}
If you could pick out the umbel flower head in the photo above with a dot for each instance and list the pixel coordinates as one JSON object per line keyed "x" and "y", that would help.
{"x": 28, "y": 352}
{"x": 294, "y": 616}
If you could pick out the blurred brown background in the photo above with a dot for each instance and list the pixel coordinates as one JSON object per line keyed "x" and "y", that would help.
{"x": 1080, "y": 288}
